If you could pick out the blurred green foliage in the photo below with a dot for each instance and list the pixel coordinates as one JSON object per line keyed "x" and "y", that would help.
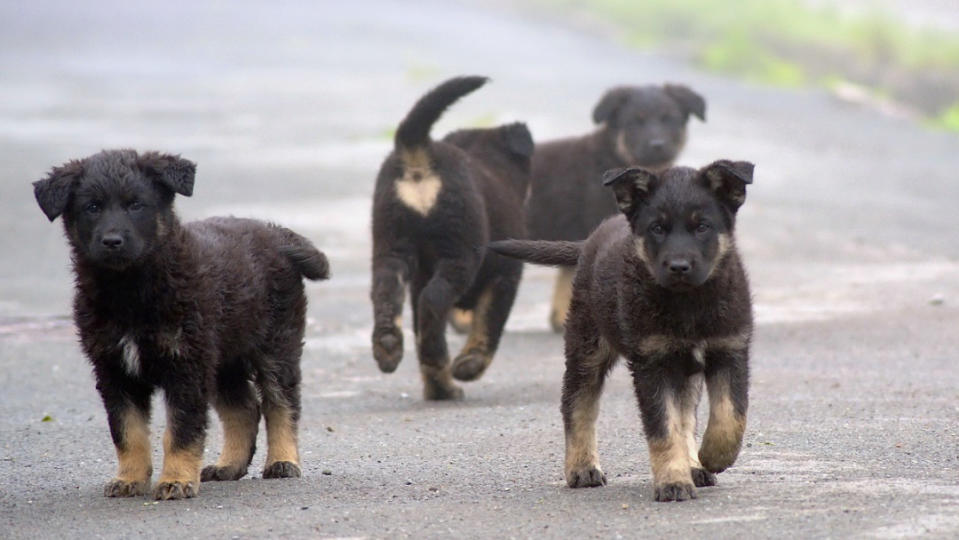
{"x": 791, "y": 43}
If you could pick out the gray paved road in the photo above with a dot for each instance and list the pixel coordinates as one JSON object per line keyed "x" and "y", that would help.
{"x": 849, "y": 234}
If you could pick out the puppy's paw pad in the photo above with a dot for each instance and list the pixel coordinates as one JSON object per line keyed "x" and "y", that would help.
{"x": 388, "y": 348}
{"x": 282, "y": 469}
{"x": 703, "y": 478}
{"x": 212, "y": 473}
{"x": 675, "y": 492}
{"x": 591, "y": 476}
{"x": 124, "y": 488}
{"x": 470, "y": 366}
{"x": 176, "y": 489}
{"x": 442, "y": 392}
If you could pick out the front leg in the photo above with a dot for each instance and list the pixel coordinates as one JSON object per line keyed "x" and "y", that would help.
{"x": 660, "y": 382}
{"x": 186, "y": 400}
{"x": 727, "y": 381}
{"x": 127, "y": 404}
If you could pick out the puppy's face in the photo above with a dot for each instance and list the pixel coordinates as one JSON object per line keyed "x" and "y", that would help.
{"x": 116, "y": 205}
{"x": 648, "y": 124}
{"x": 683, "y": 219}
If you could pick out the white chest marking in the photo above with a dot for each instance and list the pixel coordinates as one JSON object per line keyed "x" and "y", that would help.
{"x": 418, "y": 195}
{"x": 131, "y": 355}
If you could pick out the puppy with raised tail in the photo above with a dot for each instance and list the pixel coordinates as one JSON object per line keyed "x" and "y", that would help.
{"x": 210, "y": 312}
{"x": 663, "y": 286}
{"x": 436, "y": 206}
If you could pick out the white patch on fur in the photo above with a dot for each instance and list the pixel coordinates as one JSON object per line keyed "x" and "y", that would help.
{"x": 420, "y": 194}
{"x": 131, "y": 355}
{"x": 699, "y": 353}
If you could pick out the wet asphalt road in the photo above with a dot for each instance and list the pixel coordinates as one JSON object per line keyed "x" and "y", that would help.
{"x": 849, "y": 234}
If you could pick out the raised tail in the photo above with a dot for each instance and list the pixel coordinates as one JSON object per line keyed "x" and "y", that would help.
{"x": 553, "y": 253}
{"x": 414, "y": 131}
{"x": 310, "y": 262}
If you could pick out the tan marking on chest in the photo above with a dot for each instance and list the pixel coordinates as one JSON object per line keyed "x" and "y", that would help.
{"x": 418, "y": 190}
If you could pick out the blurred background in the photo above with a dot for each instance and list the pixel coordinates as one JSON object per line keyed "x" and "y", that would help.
{"x": 849, "y": 108}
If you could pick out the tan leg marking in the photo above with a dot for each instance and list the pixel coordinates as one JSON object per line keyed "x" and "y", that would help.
{"x": 135, "y": 463}
{"x": 438, "y": 383}
{"x": 180, "y": 477}
{"x": 582, "y": 456}
{"x": 724, "y": 432}
{"x": 669, "y": 456}
{"x": 562, "y": 294}
{"x": 281, "y": 437}
{"x": 690, "y": 402}
{"x": 239, "y": 432}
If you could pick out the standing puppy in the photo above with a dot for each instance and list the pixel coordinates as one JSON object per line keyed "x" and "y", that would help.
{"x": 210, "y": 312}
{"x": 663, "y": 286}
{"x": 638, "y": 126}
{"x": 436, "y": 206}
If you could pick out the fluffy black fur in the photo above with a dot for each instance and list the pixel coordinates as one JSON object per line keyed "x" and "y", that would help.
{"x": 436, "y": 205}
{"x": 210, "y": 312}
{"x": 663, "y": 286}
{"x": 638, "y": 126}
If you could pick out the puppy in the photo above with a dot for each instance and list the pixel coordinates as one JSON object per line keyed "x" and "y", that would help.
{"x": 435, "y": 206}
{"x": 639, "y": 126}
{"x": 210, "y": 312}
{"x": 663, "y": 286}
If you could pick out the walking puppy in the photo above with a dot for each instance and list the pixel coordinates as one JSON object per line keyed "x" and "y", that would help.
{"x": 663, "y": 286}
{"x": 436, "y": 206}
{"x": 639, "y": 126}
{"x": 211, "y": 311}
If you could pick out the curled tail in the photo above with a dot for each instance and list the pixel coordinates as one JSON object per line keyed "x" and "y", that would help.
{"x": 558, "y": 253}
{"x": 310, "y": 262}
{"x": 414, "y": 131}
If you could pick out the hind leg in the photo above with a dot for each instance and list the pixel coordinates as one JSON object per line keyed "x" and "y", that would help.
{"x": 450, "y": 280}
{"x": 492, "y": 310}
{"x": 281, "y": 410}
{"x": 239, "y": 411}
{"x": 562, "y": 293}
{"x": 389, "y": 283}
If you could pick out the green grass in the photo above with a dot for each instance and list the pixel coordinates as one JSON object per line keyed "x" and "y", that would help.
{"x": 788, "y": 43}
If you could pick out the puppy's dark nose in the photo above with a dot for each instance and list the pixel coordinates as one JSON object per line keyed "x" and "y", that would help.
{"x": 112, "y": 241}
{"x": 679, "y": 266}
{"x": 657, "y": 144}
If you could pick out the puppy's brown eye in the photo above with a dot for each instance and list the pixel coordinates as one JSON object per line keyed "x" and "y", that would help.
{"x": 92, "y": 208}
{"x": 135, "y": 206}
{"x": 703, "y": 228}
{"x": 657, "y": 229}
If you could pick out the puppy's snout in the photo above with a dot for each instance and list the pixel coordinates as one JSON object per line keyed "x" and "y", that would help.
{"x": 679, "y": 266}
{"x": 657, "y": 144}
{"x": 112, "y": 240}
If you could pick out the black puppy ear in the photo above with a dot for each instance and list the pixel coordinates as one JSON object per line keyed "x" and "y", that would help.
{"x": 612, "y": 100}
{"x": 630, "y": 185}
{"x": 53, "y": 192}
{"x": 728, "y": 180}
{"x": 172, "y": 171}
{"x": 687, "y": 99}
{"x": 518, "y": 139}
